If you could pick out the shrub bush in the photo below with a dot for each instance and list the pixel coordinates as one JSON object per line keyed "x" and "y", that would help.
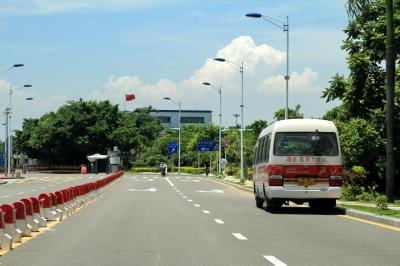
{"x": 381, "y": 202}
{"x": 232, "y": 170}
{"x": 191, "y": 170}
{"x": 350, "y": 192}
{"x": 357, "y": 175}
{"x": 145, "y": 169}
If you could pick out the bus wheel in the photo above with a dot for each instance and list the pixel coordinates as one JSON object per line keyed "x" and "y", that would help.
{"x": 259, "y": 201}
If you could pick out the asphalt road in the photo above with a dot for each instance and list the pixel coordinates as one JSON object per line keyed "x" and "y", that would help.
{"x": 188, "y": 220}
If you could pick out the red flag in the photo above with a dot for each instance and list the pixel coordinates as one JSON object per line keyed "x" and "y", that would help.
{"x": 129, "y": 97}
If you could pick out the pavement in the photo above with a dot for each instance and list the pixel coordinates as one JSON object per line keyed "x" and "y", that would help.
{"x": 192, "y": 220}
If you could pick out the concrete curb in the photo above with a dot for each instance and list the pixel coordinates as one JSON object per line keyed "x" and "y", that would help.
{"x": 340, "y": 210}
{"x": 370, "y": 217}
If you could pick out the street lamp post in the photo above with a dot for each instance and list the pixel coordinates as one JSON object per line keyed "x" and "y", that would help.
{"x": 283, "y": 25}
{"x": 6, "y": 114}
{"x": 7, "y": 132}
{"x": 219, "y": 91}
{"x": 236, "y": 115}
{"x": 240, "y": 66}
{"x": 179, "y": 104}
{"x": 10, "y": 141}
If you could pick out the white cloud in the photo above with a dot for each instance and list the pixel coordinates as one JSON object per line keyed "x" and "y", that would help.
{"x": 262, "y": 63}
{"x": 4, "y": 86}
{"x": 298, "y": 83}
{"x": 146, "y": 94}
{"x": 257, "y": 60}
{"x": 263, "y": 83}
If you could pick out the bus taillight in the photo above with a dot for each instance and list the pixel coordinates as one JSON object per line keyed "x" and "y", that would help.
{"x": 275, "y": 180}
{"x": 335, "y": 181}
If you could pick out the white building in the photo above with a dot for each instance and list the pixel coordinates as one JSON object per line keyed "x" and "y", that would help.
{"x": 170, "y": 118}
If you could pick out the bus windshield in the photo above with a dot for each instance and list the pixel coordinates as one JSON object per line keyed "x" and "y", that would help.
{"x": 305, "y": 144}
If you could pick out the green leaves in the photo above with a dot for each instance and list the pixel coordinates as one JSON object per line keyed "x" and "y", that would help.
{"x": 80, "y": 128}
{"x": 292, "y": 113}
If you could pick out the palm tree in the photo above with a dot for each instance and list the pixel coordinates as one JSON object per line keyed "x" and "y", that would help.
{"x": 355, "y": 8}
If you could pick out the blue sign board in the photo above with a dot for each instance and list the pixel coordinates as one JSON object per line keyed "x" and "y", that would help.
{"x": 207, "y": 145}
{"x": 172, "y": 147}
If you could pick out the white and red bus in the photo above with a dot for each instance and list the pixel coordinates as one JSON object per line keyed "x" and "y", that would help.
{"x": 298, "y": 160}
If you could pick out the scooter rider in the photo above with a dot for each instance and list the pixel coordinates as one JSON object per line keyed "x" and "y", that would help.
{"x": 163, "y": 169}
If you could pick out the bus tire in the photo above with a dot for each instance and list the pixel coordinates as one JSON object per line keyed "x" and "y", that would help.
{"x": 273, "y": 205}
{"x": 259, "y": 202}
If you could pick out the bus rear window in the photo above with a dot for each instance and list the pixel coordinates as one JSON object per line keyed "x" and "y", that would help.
{"x": 305, "y": 143}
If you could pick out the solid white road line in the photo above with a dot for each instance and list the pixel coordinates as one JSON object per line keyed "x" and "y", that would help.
{"x": 197, "y": 205}
{"x": 219, "y": 221}
{"x": 169, "y": 181}
{"x": 239, "y": 236}
{"x": 205, "y": 211}
{"x": 274, "y": 261}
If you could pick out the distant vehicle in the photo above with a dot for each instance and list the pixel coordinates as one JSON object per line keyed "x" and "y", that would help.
{"x": 298, "y": 160}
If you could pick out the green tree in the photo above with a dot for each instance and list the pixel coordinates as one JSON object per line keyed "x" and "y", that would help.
{"x": 362, "y": 145}
{"x": 292, "y": 113}
{"x": 257, "y": 126}
{"x": 358, "y": 8}
{"x": 80, "y": 128}
{"x": 362, "y": 93}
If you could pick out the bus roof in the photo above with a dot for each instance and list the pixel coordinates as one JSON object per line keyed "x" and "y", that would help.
{"x": 300, "y": 125}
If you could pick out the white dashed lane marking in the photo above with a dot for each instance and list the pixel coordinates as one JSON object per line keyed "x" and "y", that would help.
{"x": 205, "y": 211}
{"x": 219, "y": 221}
{"x": 189, "y": 200}
{"x": 197, "y": 205}
{"x": 239, "y": 236}
{"x": 20, "y": 193}
{"x": 169, "y": 181}
{"x": 274, "y": 261}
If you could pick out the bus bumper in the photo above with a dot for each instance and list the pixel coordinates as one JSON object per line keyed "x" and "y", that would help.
{"x": 282, "y": 193}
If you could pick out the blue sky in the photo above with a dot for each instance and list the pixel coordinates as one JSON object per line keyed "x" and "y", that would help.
{"x": 103, "y": 49}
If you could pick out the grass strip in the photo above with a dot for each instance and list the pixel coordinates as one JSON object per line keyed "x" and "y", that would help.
{"x": 373, "y": 210}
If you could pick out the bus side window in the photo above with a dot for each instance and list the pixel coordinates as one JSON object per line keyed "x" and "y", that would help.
{"x": 260, "y": 148}
{"x": 268, "y": 145}
{"x": 255, "y": 159}
{"x": 264, "y": 143}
